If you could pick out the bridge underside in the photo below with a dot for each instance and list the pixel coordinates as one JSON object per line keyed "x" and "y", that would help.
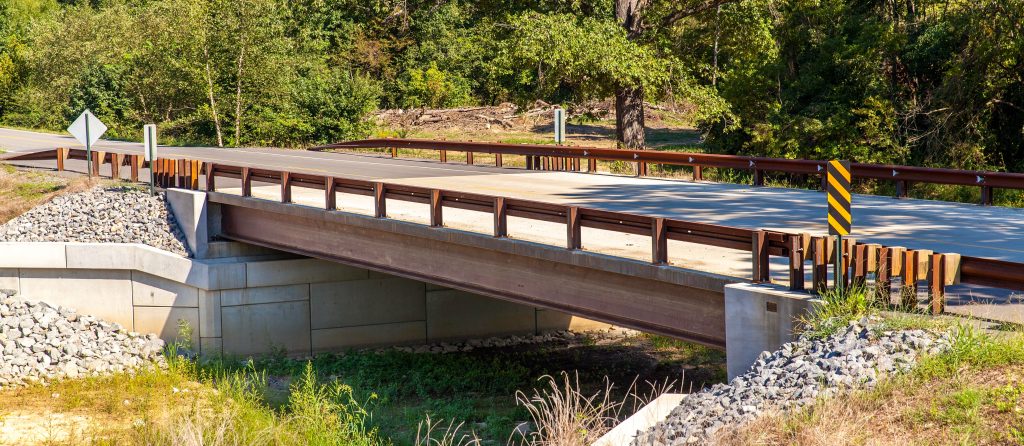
{"x": 672, "y": 301}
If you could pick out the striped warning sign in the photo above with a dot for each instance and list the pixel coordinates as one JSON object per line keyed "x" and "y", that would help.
{"x": 840, "y": 221}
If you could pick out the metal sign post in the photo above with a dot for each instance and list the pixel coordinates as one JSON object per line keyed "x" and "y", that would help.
{"x": 840, "y": 217}
{"x": 559, "y": 126}
{"x": 149, "y": 147}
{"x": 87, "y": 129}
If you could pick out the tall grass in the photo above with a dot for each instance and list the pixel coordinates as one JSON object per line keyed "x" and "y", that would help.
{"x": 836, "y": 310}
{"x": 235, "y": 413}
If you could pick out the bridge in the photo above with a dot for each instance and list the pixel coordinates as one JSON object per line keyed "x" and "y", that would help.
{"x": 648, "y": 253}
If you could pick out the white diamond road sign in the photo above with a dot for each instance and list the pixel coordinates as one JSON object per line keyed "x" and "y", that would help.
{"x": 87, "y": 129}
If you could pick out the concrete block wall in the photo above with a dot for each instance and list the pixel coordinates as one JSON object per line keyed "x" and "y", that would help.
{"x": 260, "y": 301}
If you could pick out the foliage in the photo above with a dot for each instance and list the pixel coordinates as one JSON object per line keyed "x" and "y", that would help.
{"x": 929, "y": 82}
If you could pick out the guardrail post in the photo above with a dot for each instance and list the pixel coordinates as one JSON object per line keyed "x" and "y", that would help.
{"x": 573, "y": 228}
{"x": 136, "y": 165}
{"x": 394, "y": 152}
{"x": 115, "y": 165}
{"x": 197, "y": 169}
{"x": 902, "y": 188}
{"x": 937, "y": 283}
{"x": 798, "y": 248}
{"x": 819, "y": 273}
{"x": 908, "y": 295}
{"x": 436, "y": 209}
{"x": 180, "y": 175}
{"x": 497, "y": 160}
{"x": 759, "y": 251}
{"x": 986, "y": 195}
{"x": 500, "y": 217}
{"x": 659, "y": 241}
{"x": 62, "y": 154}
{"x": 286, "y": 187}
{"x": 591, "y": 165}
{"x": 469, "y": 158}
{"x": 211, "y": 177}
{"x": 883, "y": 279}
{"x": 98, "y": 158}
{"x": 330, "y": 194}
{"x": 443, "y": 156}
{"x": 758, "y": 177}
{"x": 698, "y": 173}
{"x": 246, "y": 182}
{"x": 379, "y": 201}
{"x": 859, "y": 261}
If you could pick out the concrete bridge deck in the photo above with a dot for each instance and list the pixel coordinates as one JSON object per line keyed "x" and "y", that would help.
{"x": 966, "y": 229}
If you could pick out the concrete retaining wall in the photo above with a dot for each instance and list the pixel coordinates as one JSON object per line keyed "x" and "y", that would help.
{"x": 246, "y": 300}
{"x": 760, "y": 318}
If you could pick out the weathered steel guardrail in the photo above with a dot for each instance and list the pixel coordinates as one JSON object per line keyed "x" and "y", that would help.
{"x": 549, "y": 157}
{"x": 860, "y": 260}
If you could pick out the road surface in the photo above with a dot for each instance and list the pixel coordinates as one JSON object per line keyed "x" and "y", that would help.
{"x": 967, "y": 229}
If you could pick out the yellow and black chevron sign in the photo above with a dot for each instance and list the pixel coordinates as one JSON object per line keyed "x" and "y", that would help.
{"x": 840, "y": 219}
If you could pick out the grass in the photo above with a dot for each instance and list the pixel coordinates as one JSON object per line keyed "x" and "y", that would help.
{"x": 22, "y": 190}
{"x": 971, "y": 394}
{"x": 361, "y": 397}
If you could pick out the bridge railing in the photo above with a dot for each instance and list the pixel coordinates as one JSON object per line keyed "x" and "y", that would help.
{"x": 549, "y": 157}
{"x": 802, "y": 251}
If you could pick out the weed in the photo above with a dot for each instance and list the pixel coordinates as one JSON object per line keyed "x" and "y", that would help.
{"x": 836, "y": 310}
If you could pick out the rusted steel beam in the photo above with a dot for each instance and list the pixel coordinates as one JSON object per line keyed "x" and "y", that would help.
{"x": 990, "y": 272}
{"x": 380, "y": 209}
{"x": 437, "y": 209}
{"x": 481, "y": 264}
{"x": 573, "y": 228}
{"x": 180, "y": 175}
{"x": 197, "y": 169}
{"x": 759, "y": 255}
{"x": 902, "y": 174}
{"x": 659, "y": 241}
{"x": 500, "y": 217}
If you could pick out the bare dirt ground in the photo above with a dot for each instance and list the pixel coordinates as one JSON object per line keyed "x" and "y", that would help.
{"x": 589, "y": 124}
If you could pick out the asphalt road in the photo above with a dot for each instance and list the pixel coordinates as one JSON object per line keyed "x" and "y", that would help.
{"x": 967, "y": 229}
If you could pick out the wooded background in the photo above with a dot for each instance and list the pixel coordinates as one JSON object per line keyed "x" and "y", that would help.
{"x": 903, "y": 81}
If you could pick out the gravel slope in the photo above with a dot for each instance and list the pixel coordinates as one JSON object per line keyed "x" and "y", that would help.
{"x": 39, "y": 343}
{"x": 794, "y": 376}
{"x": 104, "y": 215}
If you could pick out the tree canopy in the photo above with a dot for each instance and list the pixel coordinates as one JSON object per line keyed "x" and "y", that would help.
{"x": 933, "y": 82}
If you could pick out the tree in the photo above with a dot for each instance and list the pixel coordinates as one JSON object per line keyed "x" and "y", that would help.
{"x": 640, "y": 19}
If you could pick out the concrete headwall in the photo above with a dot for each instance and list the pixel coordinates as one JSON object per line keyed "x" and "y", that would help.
{"x": 247, "y": 300}
{"x": 760, "y": 318}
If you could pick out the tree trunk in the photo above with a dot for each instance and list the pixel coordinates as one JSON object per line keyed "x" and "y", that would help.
{"x": 629, "y": 99}
{"x": 213, "y": 101}
{"x": 629, "y": 117}
{"x": 238, "y": 98}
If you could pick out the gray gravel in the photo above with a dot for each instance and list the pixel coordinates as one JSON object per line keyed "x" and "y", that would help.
{"x": 794, "y": 376}
{"x": 111, "y": 215}
{"x": 41, "y": 343}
